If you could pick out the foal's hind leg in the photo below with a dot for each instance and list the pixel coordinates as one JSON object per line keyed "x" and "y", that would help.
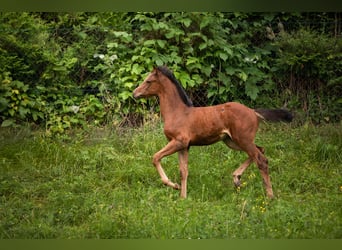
{"x": 257, "y": 154}
{"x": 238, "y": 172}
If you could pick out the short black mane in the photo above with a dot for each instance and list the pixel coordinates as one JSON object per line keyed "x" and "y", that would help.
{"x": 168, "y": 73}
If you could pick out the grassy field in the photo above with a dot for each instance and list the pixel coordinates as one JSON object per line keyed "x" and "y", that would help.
{"x": 101, "y": 184}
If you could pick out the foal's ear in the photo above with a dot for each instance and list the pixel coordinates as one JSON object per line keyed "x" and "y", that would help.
{"x": 156, "y": 70}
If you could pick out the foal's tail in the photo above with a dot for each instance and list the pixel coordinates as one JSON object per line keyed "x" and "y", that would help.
{"x": 274, "y": 115}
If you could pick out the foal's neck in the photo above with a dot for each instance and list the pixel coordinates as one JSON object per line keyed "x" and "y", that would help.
{"x": 171, "y": 104}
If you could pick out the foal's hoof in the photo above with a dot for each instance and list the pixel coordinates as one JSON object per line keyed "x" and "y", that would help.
{"x": 176, "y": 186}
{"x": 236, "y": 180}
{"x": 270, "y": 195}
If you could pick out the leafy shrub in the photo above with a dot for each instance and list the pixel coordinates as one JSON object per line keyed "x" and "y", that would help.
{"x": 54, "y": 63}
{"x": 16, "y": 103}
{"x": 309, "y": 66}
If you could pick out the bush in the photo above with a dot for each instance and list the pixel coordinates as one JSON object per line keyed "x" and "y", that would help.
{"x": 63, "y": 70}
{"x": 309, "y": 66}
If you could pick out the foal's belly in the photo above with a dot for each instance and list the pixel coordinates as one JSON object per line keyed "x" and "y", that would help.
{"x": 207, "y": 139}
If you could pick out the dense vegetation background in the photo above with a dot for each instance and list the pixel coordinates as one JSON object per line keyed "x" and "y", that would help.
{"x": 64, "y": 70}
{"x": 69, "y": 170}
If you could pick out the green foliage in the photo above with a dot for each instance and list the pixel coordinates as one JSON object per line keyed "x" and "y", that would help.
{"x": 16, "y": 103}
{"x": 310, "y": 64}
{"x": 195, "y": 46}
{"x": 51, "y": 63}
{"x": 304, "y": 52}
{"x": 21, "y": 62}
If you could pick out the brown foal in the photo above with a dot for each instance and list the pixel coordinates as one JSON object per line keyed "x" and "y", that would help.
{"x": 184, "y": 126}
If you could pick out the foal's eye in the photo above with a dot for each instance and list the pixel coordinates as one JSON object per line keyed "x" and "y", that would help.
{"x": 148, "y": 81}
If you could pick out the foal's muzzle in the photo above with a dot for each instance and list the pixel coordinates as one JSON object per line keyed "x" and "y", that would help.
{"x": 136, "y": 94}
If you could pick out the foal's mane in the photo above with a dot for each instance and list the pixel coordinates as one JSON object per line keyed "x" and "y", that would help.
{"x": 168, "y": 73}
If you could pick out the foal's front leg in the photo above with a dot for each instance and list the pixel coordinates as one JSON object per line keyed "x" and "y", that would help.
{"x": 183, "y": 167}
{"x": 172, "y": 147}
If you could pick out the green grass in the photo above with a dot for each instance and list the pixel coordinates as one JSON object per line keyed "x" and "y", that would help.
{"x": 101, "y": 184}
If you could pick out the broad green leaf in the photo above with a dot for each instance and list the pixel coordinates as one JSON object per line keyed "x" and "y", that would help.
{"x": 137, "y": 69}
{"x": 206, "y": 70}
{"x": 186, "y": 22}
{"x": 223, "y": 77}
{"x": 129, "y": 85}
{"x": 205, "y": 22}
{"x": 251, "y": 90}
{"x": 183, "y": 77}
{"x": 124, "y": 95}
{"x": 202, "y": 46}
{"x": 148, "y": 43}
{"x": 3, "y": 104}
{"x": 7, "y": 123}
{"x": 191, "y": 60}
{"x": 197, "y": 79}
{"x": 159, "y": 62}
{"x": 23, "y": 111}
{"x": 11, "y": 112}
{"x": 223, "y": 56}
{"x": 230, "y": 70}
{"x": 243, "y": 76}
{"x": 83, "y": 35}
{"x": 112, "y": 45}
{"x": 161, "y": 43}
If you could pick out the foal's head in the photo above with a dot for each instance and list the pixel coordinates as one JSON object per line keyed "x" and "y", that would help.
{"x": 155, "y": 82}
{"x": 151, "y": 86}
